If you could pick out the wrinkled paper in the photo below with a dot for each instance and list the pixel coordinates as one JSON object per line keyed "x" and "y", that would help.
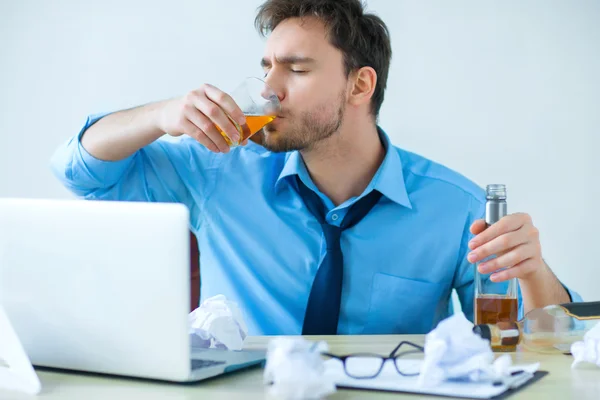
{"x": 217, "y": 323}
{"x": 295, "y": 369}
{"x": 588, "y": 350}
{"x": 454, "y": 352}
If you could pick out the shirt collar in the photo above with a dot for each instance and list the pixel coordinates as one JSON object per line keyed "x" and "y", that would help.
{"x": 294, "y": 165}
{"x": 389, "y": 178}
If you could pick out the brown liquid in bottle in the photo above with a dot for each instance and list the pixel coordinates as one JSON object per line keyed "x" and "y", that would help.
{"x": 491, "y": 309}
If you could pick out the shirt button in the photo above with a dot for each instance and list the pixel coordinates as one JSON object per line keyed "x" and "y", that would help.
{"x": 334, "y": 217}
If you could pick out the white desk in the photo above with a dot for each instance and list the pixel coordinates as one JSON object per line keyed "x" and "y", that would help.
{"x": 561, "y": 383}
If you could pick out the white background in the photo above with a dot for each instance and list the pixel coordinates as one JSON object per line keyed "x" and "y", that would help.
{"x": 502, "y": 91}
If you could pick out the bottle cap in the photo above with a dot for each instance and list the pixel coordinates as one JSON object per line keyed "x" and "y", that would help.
{"x": 496, "y": 191}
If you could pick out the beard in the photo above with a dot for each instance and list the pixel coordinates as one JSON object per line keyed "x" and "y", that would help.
{"x": 311, "y": 127}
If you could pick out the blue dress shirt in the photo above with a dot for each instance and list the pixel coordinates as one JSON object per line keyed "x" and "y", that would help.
{"x": 260, "y": 246}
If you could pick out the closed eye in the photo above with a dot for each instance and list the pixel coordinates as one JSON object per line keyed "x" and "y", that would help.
{"x": 295, "y": 71}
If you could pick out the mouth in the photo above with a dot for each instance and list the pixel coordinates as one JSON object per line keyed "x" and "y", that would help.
{"x": 270, "y": 127}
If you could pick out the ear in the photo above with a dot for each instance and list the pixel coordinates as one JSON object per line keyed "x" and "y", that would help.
{"x": 363, "y": 85}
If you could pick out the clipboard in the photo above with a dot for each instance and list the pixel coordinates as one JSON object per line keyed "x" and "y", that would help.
{"x": 390, "y": 381}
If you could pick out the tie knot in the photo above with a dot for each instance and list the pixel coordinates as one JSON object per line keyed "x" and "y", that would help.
{"x": 332, "y": 236}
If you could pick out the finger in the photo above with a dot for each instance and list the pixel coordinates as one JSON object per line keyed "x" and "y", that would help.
{"x": 478, "y": 226}
{"x": 507, "y": 224}
{"x": 193, "y": 131}
{"x": 244, "y": 142}
{"x": 217, "y": 116}
{"x": 226, "y": 102}
{"x": 507, "y": 259}
{"x": 209, "y": 129}
{"x": 520, "y": 270}
{"x": 502, "y": 243}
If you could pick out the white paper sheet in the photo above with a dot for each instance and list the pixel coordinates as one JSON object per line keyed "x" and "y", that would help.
{"x": 390, "y": 380}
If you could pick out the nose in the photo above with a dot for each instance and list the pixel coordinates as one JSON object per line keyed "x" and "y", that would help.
{"x": 276, "y": 86}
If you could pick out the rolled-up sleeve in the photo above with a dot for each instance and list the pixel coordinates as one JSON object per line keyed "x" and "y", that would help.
{"x": 573, "y": 295}
{"x": 81, "y": 172}
{"x": 162, "y": 171}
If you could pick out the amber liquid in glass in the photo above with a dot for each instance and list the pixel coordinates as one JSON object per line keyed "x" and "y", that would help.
{"x": 253, "y": 124}
{"x": 491, "y": 309}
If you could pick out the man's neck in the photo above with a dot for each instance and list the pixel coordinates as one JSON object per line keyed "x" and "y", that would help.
{"x": 343, "y": 165}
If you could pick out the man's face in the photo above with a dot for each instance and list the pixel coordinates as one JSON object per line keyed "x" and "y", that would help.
{"x": 307, "y": 73}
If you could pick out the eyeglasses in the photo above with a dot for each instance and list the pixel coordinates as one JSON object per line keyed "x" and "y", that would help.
{"x": 369, "y": 365}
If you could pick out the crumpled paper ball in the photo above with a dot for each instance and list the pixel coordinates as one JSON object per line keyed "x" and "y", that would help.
{"x": 295, "y": 369}
{"x": 588, "y": 350}
{"x": 217, "y": 323}
{"x": 454, "y": 352}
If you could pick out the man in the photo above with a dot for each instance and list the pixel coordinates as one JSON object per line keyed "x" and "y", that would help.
{"x": 325, "y": 227}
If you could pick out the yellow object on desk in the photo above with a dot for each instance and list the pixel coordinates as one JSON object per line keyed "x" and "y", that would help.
{"x": 562, "y": 382}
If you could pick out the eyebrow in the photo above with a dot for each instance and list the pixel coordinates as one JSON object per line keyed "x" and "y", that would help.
{"x": 288, "y": 60}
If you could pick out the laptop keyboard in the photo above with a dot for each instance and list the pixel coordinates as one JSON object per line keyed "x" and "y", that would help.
{"x": 198, "y": 364}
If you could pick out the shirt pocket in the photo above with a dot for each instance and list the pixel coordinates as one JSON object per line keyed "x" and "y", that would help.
{"x": 405, "y": 306}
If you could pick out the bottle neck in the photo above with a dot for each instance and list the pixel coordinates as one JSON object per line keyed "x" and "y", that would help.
{"x": 495, "y": 210}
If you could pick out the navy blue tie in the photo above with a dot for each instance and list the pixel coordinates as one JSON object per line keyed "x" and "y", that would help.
{"x": 323, "y": 308}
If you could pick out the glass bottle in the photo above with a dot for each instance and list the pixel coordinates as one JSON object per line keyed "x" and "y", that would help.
{"x": 495, "y": 301}
{"x": 552, "y": 329}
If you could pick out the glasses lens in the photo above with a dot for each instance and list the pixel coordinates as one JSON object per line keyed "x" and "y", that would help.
{"x": 409, "y": 363}
{"x": 363, "y": 366}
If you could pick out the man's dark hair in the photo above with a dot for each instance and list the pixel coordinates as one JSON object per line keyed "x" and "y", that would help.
{"x": 363, "y": 38}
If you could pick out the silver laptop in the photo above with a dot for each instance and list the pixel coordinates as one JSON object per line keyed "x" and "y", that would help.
{"x": 104, "y": 287}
